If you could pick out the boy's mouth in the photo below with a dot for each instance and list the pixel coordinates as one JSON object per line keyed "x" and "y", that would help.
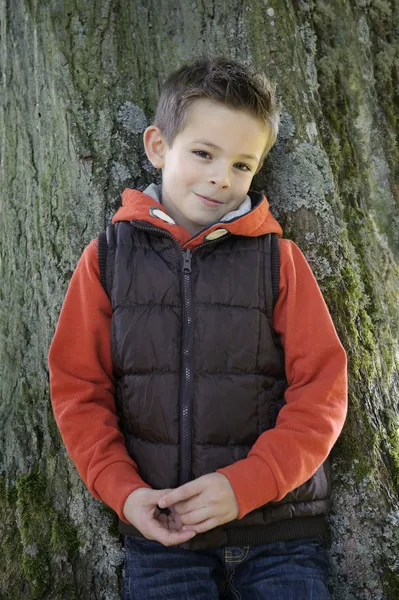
{"x": 209, "y": 201}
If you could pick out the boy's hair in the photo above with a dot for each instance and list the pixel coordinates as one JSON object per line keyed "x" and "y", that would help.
{"x": 221, "y": 80}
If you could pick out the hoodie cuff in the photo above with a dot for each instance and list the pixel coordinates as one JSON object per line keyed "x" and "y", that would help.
{"x": 253, "y": 483}
{"x": 114, "y": 484}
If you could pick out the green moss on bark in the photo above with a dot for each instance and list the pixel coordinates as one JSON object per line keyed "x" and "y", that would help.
{"x": 45, "y": 534}
{"x": 11, "y": 574}
{"x": 391, "y": 584}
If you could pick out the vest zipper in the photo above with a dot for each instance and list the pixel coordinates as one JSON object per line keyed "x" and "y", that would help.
{"x": 187, "y": 380}
{"x": 186, "y": 400}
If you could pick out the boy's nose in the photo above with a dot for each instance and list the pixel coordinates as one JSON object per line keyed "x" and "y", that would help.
{"x": 221, "y": 178}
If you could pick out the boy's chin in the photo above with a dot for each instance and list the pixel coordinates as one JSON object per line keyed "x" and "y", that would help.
{"x": 206, "y": 217}
{"x": 197, "y": 225}
{"x": 203, "y": 223}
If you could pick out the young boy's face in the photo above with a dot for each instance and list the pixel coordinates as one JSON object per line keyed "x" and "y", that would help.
{"x": 207, "y": 171}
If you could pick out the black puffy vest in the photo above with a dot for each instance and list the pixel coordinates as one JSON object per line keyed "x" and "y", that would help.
{"x": 199, "y": 371}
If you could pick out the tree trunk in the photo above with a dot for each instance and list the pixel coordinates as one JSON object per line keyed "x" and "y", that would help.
{"x": 79, "y": 83}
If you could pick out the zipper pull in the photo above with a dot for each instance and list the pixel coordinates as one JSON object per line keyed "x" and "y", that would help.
{"x": 187, "y": 261}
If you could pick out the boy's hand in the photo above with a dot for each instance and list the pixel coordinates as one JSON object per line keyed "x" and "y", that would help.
{"x": 141, "y": 510}
{"x": 202, "y": 504}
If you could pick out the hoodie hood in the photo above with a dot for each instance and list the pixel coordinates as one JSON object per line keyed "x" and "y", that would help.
{"x": 252, "y": 218}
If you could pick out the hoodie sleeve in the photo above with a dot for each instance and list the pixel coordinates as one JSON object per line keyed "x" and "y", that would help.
{"x": 82, "y": 388}
{"x": 316, "y": 398}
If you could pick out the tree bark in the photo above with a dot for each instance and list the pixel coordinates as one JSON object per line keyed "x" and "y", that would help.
{"x": 79, "y": 83}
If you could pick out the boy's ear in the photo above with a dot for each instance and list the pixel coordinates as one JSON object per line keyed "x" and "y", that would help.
{"x": 155, "y": 146}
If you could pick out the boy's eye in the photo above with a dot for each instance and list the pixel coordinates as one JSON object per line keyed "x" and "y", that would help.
{"x": 201, "y": 153}
{"x": 204, "y": 154}
{"x": 243, "y": 167}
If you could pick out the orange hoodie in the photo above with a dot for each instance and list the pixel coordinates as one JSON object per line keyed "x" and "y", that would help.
{"x": 82, "y": 383}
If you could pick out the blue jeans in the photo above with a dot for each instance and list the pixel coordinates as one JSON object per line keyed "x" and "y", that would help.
{"x": 293, "y": 570}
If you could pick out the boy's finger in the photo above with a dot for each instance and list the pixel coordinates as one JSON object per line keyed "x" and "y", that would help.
{"x": 190, "y": 505}
{"x": 201, "y": 527}
{"x": 163, "y": 519}
{"x": 196, "y": 516}
{"x": 170, "y": 538}
{"x": 161, "y": 493}
{"x": 181, "y": 493}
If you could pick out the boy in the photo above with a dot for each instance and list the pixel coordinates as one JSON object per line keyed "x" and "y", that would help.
{"x": 174, "y": 398}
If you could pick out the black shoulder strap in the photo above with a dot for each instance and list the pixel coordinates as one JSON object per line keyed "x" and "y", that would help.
{"x": 272, "y": 272}
{"x": 275, "y": 266}
{"x": 103, "y": 239}
{"x": 102, "y": 251}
